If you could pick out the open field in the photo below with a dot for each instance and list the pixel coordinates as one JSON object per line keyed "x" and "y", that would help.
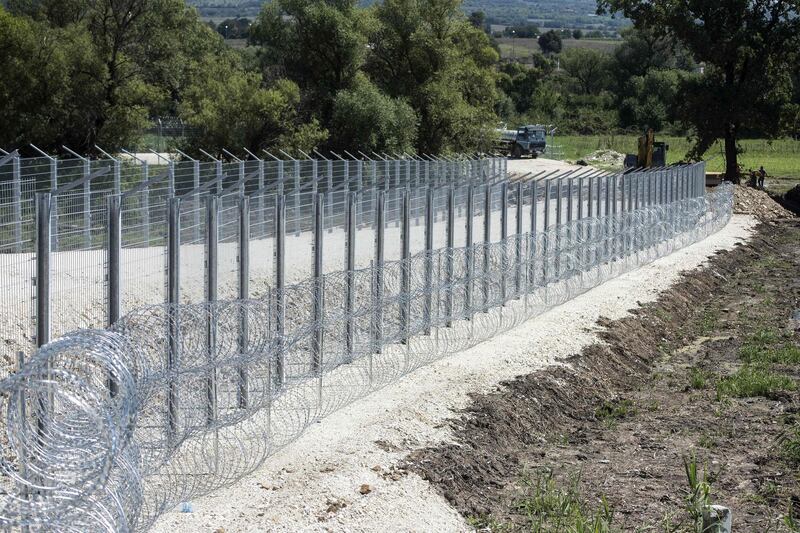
{"x": 780, "y": 158}
{"x": 524, "y": 47}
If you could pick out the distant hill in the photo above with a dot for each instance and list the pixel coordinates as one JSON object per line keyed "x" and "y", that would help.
{"x": 544, "y": 13}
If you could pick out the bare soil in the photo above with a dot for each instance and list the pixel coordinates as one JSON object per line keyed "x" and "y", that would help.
{"x": 625, "y": 415}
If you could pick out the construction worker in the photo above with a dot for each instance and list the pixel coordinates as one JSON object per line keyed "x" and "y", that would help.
{"x": 762, "y": 174}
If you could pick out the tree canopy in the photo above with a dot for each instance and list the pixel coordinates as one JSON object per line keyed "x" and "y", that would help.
{"x": 748, "y": 49}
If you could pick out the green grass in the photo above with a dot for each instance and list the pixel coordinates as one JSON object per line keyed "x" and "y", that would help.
{"x": 780, "y": 158}
{"x": 521, "y": 48}
{"x": 551, "y": 508}
{"x": 753, "y": 380}
{"x": 613, "y": 410}
{"x": 769, "y": 346}
{"x": 789, "y": 444}
{"x": 697, "y": 378}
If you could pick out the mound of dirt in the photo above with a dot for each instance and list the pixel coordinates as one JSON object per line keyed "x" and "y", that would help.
{"x": 605, "y": 157}
{"x": 749, "y": 201}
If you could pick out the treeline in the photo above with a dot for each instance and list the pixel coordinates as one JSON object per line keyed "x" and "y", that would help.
{"x": 588, "y": 91}
{"x": 399, "y": 75}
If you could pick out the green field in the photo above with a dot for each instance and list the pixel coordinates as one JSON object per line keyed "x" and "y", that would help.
{"x": 524, "y": 47}
{"x": 781, "y": 158}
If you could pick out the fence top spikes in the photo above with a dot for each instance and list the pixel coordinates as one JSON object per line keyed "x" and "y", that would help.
{"x": 45, "y": 154}
{"x": 272, "y": 156}
{"x": 351, "y": 156}
{"x": 338, "y": 156}
{"x": 111, "y": 157}
{"x": 251, "y": 154}
{"x": 365, "y": 156}
{"x": 4, "y": 152}
{"x": 208, "y": 155}
{"x": 379, "y": 157}
{"x": 159, "y": 156}
{"x": 186, "y": 155}
{"x": 319, "y": 154}
{"x": 73, "y": 152}
{"x": 132, "y": 156}
{"x": 305, "y": 154}
{"x": 287, "y": 155}
{"x": 226, "y": 152}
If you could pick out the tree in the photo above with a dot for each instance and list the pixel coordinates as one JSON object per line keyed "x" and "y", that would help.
{"x": 232, "y": 109}
{"x": 478, "y": 20}
{"x": 319, "y": 44}
{"x": 588, "y": 68}
{"x": 527, "y": 31}
{"x": 520, "y": 83}
{"x": 366, "y": 119}
{"x": 653, "y": 99}
{"x": 425, "y": 52}
{"x": 748, "y": 48}
{"x": 550, "y": 42}
{"x": 118, "y": 61}
{"x": 577, "y": 34}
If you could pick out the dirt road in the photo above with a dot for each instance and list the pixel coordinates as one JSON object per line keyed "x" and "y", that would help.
{"x": 704, "y": 379}
{"x": 524, "y": 166}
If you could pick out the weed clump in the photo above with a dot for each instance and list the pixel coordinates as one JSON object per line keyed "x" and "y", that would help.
{"x": 753, "y": 380}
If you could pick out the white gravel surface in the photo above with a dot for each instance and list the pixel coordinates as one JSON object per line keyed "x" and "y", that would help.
{"x": 315, "y": 484}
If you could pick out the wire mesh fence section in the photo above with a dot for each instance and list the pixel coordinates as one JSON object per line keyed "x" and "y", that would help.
{"x": 229, "y": 370}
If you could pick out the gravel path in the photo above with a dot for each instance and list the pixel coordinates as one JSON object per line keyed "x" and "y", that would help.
{"x": 341, "y": 474}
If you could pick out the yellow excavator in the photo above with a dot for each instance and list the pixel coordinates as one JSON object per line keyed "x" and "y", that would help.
{"x": 651, "y": 153}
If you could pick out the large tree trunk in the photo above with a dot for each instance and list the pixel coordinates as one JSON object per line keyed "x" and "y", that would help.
{"x": 731, "y": 162}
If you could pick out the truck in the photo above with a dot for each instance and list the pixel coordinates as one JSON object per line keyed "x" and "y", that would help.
{"x": 526, "y": 140}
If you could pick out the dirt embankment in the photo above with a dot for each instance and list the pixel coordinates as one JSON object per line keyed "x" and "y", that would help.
{"x": 707, "y": 375}
{"x": 750, "y": 201}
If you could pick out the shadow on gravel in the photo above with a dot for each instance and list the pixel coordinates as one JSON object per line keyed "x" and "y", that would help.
{"x": 706, "y": 377}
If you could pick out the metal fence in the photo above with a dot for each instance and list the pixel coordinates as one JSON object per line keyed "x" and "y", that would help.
{"x": 79, "y": 190}
{"x": 276, "y": 303}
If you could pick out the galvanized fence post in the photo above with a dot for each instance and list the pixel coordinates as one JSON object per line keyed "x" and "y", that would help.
{"x": 114, "y": 264}
{"x": 146, "y": 204}
{"x": 519, "y": 232}
{"x": 451, "y": 243}
{"x": 54, "y": 204}
{"x": 429, "y": 223}
{"x": 377, "y": 292}
{"x": 487, "y": 241}
{"x": 43, "y": 262}
{"x": 532, "y": 238}
{"x": 244, "y": 294}
{"x": 405, "y": 266}
{"x": 319, "y": 289}
{"x": 173, "y": 302}
{"x": 470, "y": 249}
{"x": 87, "y": 204}
{"x": 607, "y": 214}
{"x": 212, "y": 280}
{"x": 16, "y": 199}
{"x": 280, "y": 288}
{"x": 350, "y": 265}
{"x": 548, "y": 190}
{"x": 504, "y": 241}
{"x": 297, "y": 228}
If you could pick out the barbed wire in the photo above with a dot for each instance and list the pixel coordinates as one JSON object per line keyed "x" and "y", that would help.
{"x": 108, "y": 429}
